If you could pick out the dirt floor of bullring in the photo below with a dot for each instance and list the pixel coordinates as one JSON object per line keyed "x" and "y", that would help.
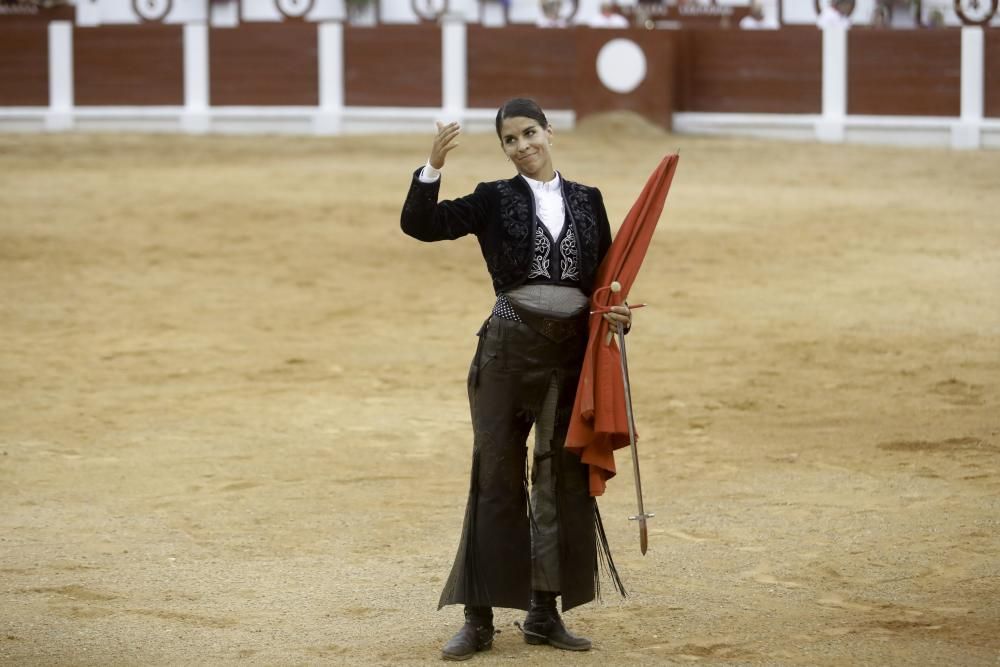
{"x": 234, "y": 429}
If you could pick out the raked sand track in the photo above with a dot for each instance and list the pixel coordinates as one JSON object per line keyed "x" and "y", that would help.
{"x": 233, "y": 425}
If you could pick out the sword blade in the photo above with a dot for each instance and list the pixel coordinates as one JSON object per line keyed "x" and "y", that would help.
{"x": 642, "y": 515}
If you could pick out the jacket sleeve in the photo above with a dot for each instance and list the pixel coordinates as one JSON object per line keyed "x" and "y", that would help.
{"x": 603, "y": 226}
{"x": 426, "y": 219}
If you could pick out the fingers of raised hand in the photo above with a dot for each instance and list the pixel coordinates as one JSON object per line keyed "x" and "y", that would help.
{"x": 446, "y": 136}
{"x": 450, "y": 143}
{"x": 446, "y": 133}
{"x": 444, "y": 142}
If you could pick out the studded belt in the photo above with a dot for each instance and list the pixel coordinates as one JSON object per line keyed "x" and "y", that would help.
{"x": 556, "y": 328}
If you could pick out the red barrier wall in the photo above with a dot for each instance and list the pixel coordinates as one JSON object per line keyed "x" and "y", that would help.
{"x": 653, "y": 98}
{"x": 904, "y": 72}
{"x": 991, "y": 92}
{"x": 128, "y": 65}
{"x": 520, "y": 61}
{"x": 397, "y": 66}
{"x": 558, "y": 69}
{"x": 912, "y": 72}
{"x": 264, "y": 64}
{"x": 24, "y": 63}
{"x": 750, "y": 71}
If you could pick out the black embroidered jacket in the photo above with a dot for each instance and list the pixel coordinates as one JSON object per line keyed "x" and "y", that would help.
{"x": 502, "y": 216}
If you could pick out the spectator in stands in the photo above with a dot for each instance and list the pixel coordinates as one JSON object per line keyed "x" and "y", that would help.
{"x": 549, "y": 16}
{"x": 882, "y": 15}
{"x": 835, "y": 14}
{"x": 757, "y": 19}
{"x": 608, "y": 17}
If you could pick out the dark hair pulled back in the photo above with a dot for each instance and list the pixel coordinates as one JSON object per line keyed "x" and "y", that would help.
{"x": 520, "y": 107}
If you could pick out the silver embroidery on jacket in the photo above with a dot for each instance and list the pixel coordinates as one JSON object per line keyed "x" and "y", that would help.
{"x": 567, "y": 253}
{"x": 540, "y": 262}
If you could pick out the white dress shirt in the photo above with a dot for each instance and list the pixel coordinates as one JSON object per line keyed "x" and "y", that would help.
{"x": 549, "y": 203}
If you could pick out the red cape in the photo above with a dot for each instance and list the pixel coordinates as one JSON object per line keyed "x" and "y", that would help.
{"x": 599, "y": 425}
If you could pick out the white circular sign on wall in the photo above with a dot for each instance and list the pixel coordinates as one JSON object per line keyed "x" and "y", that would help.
{"x": 621, "y": 65}
{"x": 294, "y": 8}
{"x": 151, "y": 10}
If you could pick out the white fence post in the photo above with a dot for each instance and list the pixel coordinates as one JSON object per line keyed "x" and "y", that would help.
{"x": 454, "y": 91}
{"x": 830, "y": 127}
{"x": 60, "y": 113}
{"x": 329, "y": 117}
{"x": 966, "y": 132}
{"x": 195, "y": 118}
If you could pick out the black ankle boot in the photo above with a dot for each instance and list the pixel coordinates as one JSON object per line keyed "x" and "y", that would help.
{"x": 543, "y": 625}
{"x": 475, "y": 635}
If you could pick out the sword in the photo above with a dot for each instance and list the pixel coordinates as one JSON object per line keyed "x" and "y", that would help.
{"x": 642, "y": 514}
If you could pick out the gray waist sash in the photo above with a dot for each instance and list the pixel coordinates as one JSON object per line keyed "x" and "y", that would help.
{"x": 557, "y": 312}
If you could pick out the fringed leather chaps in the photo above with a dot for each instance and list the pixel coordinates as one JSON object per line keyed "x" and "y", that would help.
{"x": 512, "y": 373}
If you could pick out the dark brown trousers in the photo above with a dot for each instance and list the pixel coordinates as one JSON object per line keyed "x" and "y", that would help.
{"x": 514, "y": 370}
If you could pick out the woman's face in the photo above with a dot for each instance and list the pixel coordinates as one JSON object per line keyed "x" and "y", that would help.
{"x": 526, "y": 143}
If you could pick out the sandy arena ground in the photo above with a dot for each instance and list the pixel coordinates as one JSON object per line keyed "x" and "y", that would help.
{"x": 233, "y": 424}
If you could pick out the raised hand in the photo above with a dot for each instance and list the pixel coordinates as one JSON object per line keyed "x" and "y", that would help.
{"x": 445, "y": 140}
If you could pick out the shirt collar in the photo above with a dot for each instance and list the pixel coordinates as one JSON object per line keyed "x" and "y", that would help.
{"x": 543, "y": 186}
